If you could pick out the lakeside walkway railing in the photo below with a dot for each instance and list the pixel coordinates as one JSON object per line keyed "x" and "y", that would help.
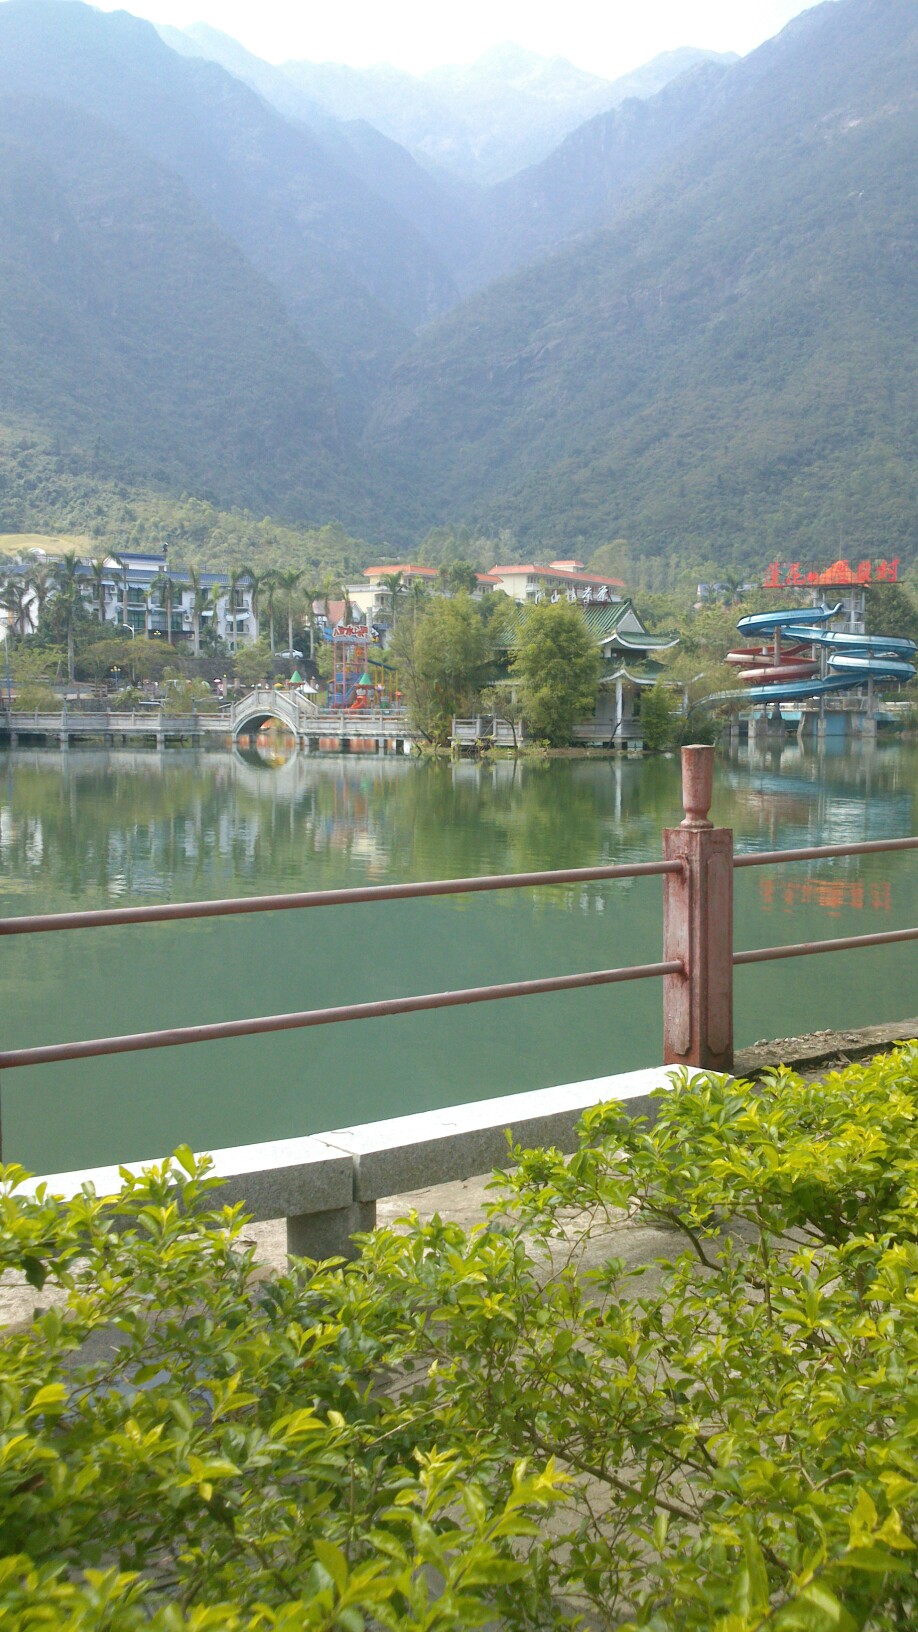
{"x": 696, "y": 968}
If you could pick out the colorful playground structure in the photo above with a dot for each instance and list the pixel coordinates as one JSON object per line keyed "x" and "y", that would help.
{"x": 360, "y": 678}
{"x": 797, "y": 657}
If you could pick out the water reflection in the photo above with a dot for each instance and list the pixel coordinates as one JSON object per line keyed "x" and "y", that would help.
{"x": 91, "y": 827}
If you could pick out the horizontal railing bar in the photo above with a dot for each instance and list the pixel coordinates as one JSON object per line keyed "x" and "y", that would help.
{"x": 845, "y": 943}
{"x": 166, "y": 911}
{"x": 766, "y": 858}
{"x": 133, "y": 1043}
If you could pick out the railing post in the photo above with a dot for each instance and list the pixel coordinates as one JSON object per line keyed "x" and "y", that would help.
{"x": 698, "y": 927}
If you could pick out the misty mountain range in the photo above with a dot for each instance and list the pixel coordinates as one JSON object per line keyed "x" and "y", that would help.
{"x": 679, "y": 310}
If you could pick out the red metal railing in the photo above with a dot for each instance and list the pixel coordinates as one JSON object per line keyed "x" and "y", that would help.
{"x": 696, "y": 968}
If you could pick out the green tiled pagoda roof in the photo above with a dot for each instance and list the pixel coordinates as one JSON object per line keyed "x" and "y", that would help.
{"x": 601, "y": 620}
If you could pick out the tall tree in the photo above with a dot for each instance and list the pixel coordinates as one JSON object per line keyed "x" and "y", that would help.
{"x": 311, "y": 593}
{"x": 890, "y": 610}
{"x": 69, "y": 596}
{"x": 41, "y": 585}
{"x": 201, "y": 603}
{"x": 165, "y": 594}
{"x": 15, "y": 598}
{"x": 237, "y": 576}
{"x": 99, "y": 568}
{"x": 254, "y": 582}
{"x": 557, "y": 666}
{"x": 334, "y": 589}
{"x": 288, "y": 583}
{"x": 270, "y": 585}
{"x": 123, "y": 582}
{"x": 394, "y": 582}
{"x": 443, "y": 659}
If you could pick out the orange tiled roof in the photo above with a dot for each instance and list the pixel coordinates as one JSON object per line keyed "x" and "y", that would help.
{"x": 558, "y": 572}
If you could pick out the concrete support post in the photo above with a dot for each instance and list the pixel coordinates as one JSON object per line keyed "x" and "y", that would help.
{"x": 698, "y": 927}
{"x": 328, "y": 1235}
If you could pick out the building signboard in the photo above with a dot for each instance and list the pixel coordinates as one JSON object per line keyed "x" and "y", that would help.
{"x": 791, "y": 574}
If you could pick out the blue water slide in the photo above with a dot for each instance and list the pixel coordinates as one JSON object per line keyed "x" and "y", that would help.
{"x": 797, "y": 691}
{"x": 765, "y": 623}
{"x": 847, "y": 674}
{"x": 837, "y": 640}
{"x": 860, "y": 669}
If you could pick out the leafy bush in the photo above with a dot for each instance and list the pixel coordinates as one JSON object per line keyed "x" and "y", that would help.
{"x": 181, "y": 1446}
{"x": 371, "y": 1445}
{"x": 556, "y": 666}
{"x": 658, "y": 717}
{"x": 35, "y": 696}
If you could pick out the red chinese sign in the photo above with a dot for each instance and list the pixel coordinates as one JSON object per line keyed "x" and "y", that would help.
{"x": 789, "y": 575}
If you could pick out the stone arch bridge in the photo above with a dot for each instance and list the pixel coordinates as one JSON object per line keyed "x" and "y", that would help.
{"x": 310, "y": 724}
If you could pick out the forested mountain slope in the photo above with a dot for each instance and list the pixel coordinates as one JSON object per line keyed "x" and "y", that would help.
{"x": 732, "y": 368}
{"x": 199, "y": 295}
{"x": 354, "y": 275}
{"x": 135, "y": 334}
{"x": 593, "y": 175}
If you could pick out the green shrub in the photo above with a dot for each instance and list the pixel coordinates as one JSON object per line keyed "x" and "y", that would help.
{"x": 658, "y": 717}
{"x": 28, "y": 698}
{"x": 184, "y": 1447}
{"x": 728, "y": 1436}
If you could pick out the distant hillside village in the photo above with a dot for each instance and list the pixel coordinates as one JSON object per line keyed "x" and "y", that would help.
{"x": 287, "y": 626}
{"x": 142, "y": 594}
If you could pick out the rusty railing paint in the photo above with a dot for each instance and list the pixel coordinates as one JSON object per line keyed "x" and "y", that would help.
{"x": 769, "y": 858}
{"x": 168, "y": 911}
{"x": 842, "y": 943}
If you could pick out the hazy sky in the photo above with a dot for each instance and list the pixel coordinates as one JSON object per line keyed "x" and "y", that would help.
{"x": 607, "y": 39}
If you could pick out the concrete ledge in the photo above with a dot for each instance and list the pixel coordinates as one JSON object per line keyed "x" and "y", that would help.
{"x": 349, "y": 1167}
{"x": 274, "y": 1180}
{"x": 327, "y": 1186}
{"x": 462, "y": 1141}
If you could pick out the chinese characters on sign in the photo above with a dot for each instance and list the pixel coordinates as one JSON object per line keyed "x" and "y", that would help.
{"x": 787, "y": 575}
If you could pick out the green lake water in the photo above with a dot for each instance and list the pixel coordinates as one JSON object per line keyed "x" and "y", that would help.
{"x": 90, "y": 828}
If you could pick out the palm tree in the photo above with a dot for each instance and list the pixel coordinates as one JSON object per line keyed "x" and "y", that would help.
{"x": 287, "y": 583}
{"x": 312, "y": 593}
{"x": 236, "y": 574}
{"x": 202, "y": 602}
{"x": 14, "y": 598}
{"x": 99, "y": 569}
{"x": 150, "y": 599}
{"x": 269, "y": 584}
{"x": 395, "y": 584}
{"x": 123, "y": 576}
{"x": 254, "y": 583}
{"x": 417, "y": 589}
{"x": 165, "y": 590}
{"x": 69, "y": 593}
{"x": 41, "y": 583}
{"x": 334, "y": 590}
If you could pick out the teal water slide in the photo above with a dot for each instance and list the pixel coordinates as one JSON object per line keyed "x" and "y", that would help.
{"x": 853, "y": 660}
{"x": 765, "y": 623}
